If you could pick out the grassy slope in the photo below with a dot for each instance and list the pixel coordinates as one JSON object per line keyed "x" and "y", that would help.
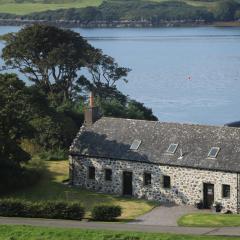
{"x": 209, "y": 220}
{"x": 9, "y": 6}
{"x": 34, "y": 233}
{"x": 192, "y": 2}
{"x": 25, "y": 8}
{"x": 51, "y": 188}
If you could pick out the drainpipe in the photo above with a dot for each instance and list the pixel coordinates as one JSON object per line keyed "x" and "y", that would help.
{"x": 237, "y": 193}
{"x": 71, "y": 171}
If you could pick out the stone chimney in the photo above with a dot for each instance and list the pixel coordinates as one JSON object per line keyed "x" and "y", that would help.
{"x": 91, "y": 113}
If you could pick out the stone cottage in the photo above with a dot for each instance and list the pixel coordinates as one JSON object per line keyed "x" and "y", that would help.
{"x": 167, "y": 162}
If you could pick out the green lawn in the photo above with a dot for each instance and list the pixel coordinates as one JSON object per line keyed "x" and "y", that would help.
{"x": 210, "y": 220}
{"x": 51, "y": 188}
{"x": 40, "y": 233}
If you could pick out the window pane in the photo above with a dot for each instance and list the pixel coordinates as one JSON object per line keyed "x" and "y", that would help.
{"x": 172, "y": 148}
{"x": 108, "y": 174}
{"x": 135, "y": 145}
{"x": 91, "y": 172}
{"x": 213, "y": 152}
{"x": 147, "y": 178}
{"x": 166, "y": 182}
{"x": 226, "y": 191}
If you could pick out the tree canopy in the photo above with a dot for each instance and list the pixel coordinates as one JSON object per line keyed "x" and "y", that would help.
{"x": 50, "y": 57}
{"x": 104, "y": 74}
{"x": 14, "y": 120}
{"x": 225, "y": 10}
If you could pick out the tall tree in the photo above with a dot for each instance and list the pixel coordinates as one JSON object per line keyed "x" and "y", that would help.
{"x": 104, "y": 74}
{"x": 14, "y": 120}
{"x": 50, "y": 57}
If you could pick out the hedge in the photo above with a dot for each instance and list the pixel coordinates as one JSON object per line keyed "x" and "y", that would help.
{"x": 106, "y": 212}
{"x": 48, "y": 209}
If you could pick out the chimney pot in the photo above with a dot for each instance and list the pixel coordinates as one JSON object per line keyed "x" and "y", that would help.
{"x": 91, "y": 113}
{"x": 91, "y": 100}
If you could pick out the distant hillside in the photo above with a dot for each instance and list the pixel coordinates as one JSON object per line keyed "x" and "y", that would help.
{"x": 22, "y": 7}
{"x": 154, "y": 12}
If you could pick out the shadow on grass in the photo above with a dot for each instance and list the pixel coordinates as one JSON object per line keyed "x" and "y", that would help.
{"x": 51, "y": 187}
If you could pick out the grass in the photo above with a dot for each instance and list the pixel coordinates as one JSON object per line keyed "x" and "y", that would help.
{"x": 50, "y": 187}
{"x": 27, "y": 7}
{"x": 209, "y": 220}
{"x": 193, "y": 3}
{"x": 43, "y": 233}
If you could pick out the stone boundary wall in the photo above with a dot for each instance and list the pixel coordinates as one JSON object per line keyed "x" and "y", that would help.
{"x": 186, "y": 183}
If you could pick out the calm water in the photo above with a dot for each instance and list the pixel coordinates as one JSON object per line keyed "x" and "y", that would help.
{"x": 183, "y": 74}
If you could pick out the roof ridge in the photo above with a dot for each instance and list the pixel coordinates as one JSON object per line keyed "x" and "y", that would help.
{"x": 178, "y": 123}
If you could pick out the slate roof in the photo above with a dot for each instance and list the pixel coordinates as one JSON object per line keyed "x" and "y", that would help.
{"x": 112, "y": 138}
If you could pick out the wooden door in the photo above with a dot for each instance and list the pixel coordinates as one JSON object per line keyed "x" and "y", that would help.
{"x": 208, "y": 195}
{"x": 127, "y": 183}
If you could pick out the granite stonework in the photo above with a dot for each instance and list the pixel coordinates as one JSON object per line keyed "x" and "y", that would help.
{"x": 186, "y": 183}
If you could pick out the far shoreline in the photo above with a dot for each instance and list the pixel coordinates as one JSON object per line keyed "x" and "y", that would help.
{"x": 120, "y": 24}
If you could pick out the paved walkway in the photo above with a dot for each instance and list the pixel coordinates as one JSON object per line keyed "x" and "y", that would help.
{"x": 227, "y": 231}
{"x": 165, "y": 215}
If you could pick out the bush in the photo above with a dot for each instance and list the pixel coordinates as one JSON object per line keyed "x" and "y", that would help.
{"x": 74, "y": 212}
{"x": 10, "y": 208}
{"x": 55, "y": 210}
{"x": 106, "y": 212}
{"x": 53, "y": 155}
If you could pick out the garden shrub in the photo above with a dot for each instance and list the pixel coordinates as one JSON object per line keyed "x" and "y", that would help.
{"x": 73, "y": 211}
{"x": 49, "y": 209}
{"x": 11, "y": 208}
{"x": 106, "y": 212}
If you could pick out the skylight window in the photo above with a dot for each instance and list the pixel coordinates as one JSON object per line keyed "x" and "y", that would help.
{"x": 135, "y": 145}
{"x": 172, "y": 148}
{"x": 213, "y": 152}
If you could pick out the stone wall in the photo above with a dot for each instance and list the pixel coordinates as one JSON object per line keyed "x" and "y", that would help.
{"x": 186, "y": 183}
